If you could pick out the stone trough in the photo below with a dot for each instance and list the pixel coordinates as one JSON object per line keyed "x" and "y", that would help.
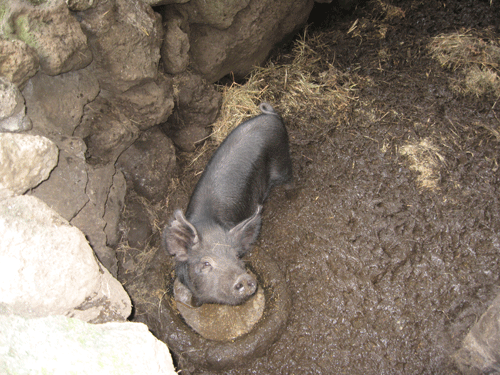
{"x": 218, "y": 355}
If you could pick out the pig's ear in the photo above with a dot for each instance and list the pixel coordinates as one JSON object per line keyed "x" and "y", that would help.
{"x": 180, "y": 236}
{"x": 246, "y": 232}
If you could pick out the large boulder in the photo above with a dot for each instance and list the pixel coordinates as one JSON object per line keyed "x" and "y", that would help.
{"x": 77, "y": 347}
{"x": 175, "y": 46}
{"x": 18, "y": 61}
{"x": 219, "y": 13}
{"x": 125, "y": 37}
{"x": 55, "y": 104}
{"x": 47, "y": 267}
{"x": 234, "y": 36}
{"x": 65, "y": 190}
{"x": 54, "y": 33}
{"x": 106, "y": 131}
{"x": 147, "y": 104}
{"x": 25, "y": 161}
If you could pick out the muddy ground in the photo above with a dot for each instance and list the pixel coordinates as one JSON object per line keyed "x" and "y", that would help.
{"x": 387, "y": 275}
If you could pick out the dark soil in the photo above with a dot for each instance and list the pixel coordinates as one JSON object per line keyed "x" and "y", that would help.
{"x": 386, "y": 276}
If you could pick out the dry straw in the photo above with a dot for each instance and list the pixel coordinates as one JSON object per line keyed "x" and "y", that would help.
{"x": 425, "y": 159}
{"x": 478, "y": 59}
{"x": 298, "y": 89}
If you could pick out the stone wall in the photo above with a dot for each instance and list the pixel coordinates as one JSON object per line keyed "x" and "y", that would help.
{"x": 95, "y": 98}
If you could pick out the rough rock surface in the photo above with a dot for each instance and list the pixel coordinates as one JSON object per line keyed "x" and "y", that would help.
{"x": 55, "y": 104}
{"x": 149, "y": 164}
{"x": 219, "y": 13}
{"x": 248, "y": 40}
{"x": 480, "y": 352}
{"x": 12, "y": 109}
{"x": 137, "y": 226}
{"x": 90, "y": 219}
{"x": 175, "y": 47}
{"x": 219, "y": 322}
{"x": 79, "y": 347}
{"x": 106, "y": 131}
{"x": 164, "y": 2}
{"x": 25, "y": 161}
{"x": 47, "y": 267}
{"x": 114, "y": 207}
{"x": 18, "y": 61}
{"x": 80, "y": 5}
{"x": 125, "y": 38}
{"x": 64, "y": 191}
{"x": 55, "y": 34}
{"x": 147, "y": 104}
{"x": 197, "y": 107}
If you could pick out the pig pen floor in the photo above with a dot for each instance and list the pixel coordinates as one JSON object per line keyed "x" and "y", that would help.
{"x": 387, "y": 275}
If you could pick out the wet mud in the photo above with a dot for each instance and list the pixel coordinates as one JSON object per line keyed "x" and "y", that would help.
{"x": 386, "y": 274}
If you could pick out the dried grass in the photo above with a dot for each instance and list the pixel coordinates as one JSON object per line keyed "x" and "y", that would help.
{"x": 300, "y": 89}
{"x": 424, "y": 158}
{"x": 481, "y": 81}
{"x": 479, "y": 60}
{"x": 459, "y": 50}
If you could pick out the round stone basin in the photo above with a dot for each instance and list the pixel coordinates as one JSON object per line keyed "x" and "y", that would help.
{"x": 219, "y": 322}
{"x": 226, "y": 345}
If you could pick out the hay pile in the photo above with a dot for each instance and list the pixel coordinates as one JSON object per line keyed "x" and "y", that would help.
{"x": 304, "y": 88}
{"x": 476, "y": 57}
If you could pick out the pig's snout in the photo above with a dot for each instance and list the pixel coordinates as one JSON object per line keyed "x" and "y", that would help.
{"x": 245, "y": 286}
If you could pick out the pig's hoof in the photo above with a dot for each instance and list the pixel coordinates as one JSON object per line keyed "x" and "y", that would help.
{"x": 214, "y": 354}
{"x": 219, "y": 322}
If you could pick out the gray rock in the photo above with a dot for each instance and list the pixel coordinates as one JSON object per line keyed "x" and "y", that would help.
{"x": 60, "y": 345}
{"x": 480, "y": 352}
{"x": 90, "y": 219}
{"x": 188, "y": 137}
{"x": 248, "y": 41}
{"x": 149, "y": 164}
{"x": 55, "y": 104}
{"x": 147, "y": 104}
{"x": 55, "y": 34}
{"x": 218, "y": 13}
{"x": 25, "y": 161}
{"x": 138, "y": 229}
{"x": 197, "y": 107}
{"x": 106, "y": 131}
{"x": 12, "y": 109}
{"x": 64, "y": 191}
{"x": 175, "y": 47}
{"x": 114, "y": 208}
{"x": 18, "y": 61}
{"x": 49, "y": 268}
{"x": 125, "y": 37}
{"x": 90, "y": 198}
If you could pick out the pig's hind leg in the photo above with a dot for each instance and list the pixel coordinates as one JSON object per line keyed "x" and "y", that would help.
{"x": 282, "y": 171}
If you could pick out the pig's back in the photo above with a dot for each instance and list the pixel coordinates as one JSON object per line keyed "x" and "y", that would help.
{"x": 238, "y": 177}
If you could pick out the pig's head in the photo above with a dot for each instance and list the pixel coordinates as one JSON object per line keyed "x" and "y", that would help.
{"x": 208, "y": 258}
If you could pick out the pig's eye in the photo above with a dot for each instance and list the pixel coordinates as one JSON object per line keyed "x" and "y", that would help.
{"x": 206, "y": 265}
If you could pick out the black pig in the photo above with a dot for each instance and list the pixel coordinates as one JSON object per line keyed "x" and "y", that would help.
{"x": 223, "y": 217}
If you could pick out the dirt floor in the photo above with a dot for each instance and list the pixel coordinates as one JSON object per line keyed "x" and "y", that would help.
{"x": 391, "y": 244}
